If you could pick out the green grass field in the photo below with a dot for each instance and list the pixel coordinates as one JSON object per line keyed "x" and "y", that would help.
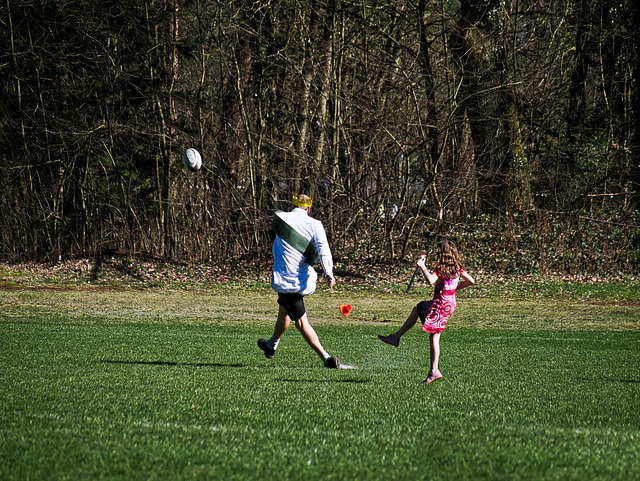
{"x": 169, "y": 384}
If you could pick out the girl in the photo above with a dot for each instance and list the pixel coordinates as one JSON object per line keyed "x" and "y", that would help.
{"x": 435, "y": 313}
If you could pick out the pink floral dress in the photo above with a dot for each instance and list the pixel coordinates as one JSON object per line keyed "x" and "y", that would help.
{"x": 434, "y": 314}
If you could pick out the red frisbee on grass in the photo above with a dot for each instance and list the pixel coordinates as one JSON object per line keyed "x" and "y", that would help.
{"x": 345, "y": 309}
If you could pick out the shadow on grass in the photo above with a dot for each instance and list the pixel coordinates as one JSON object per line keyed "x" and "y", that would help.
{"x": 217, "y": 364}
{"x": 624, "y": 381}
{"x": 168, "y": 363}
{"x": 355, "y": 381}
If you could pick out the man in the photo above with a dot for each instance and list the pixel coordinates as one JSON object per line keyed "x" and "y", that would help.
{"x": 299, "y": 240}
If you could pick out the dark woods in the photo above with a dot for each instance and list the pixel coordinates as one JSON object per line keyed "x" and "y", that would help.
{"x": 509, "y": 126}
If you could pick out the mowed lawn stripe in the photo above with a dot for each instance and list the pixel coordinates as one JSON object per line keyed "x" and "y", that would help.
{"x": 147, "y": 400}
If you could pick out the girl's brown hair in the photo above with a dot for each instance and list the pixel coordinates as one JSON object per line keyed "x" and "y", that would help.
{"x": 448, "y": 261}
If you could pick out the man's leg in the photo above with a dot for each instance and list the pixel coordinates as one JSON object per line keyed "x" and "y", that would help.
{"x": 292, "y": 306}
{"x": 310, "y": 335}
{"x": 282, "y": 324}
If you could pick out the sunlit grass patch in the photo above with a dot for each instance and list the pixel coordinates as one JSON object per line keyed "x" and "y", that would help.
{"x": 140, "y": 384}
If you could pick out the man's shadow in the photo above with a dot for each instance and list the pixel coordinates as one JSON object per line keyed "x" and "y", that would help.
{"x": 169, "y": 363}
{"x": 233, "y": 365}
{"x": 312, "y": 381}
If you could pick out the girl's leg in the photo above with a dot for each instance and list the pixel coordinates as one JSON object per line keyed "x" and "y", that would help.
{"x": 434, "y": 339}
{"x": 434, "y": 373}
{"x": 408, "y": 324}
{"x": 394, "y": 339}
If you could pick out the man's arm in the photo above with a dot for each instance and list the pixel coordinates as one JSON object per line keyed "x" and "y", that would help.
{"x": 324, "y": 252}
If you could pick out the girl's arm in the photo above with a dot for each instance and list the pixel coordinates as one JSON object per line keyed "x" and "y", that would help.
{"x": 429, "y": 276}
{"x": 467, "y": 280}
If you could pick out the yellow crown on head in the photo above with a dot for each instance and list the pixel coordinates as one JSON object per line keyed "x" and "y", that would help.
{"x": 302, "y": 200}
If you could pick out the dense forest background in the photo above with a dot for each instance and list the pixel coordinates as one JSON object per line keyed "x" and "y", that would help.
{"x": 509, "y": 126}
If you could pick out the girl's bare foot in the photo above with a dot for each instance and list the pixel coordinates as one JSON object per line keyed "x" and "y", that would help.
{"x": 432, "y": 377}
{"x": 390, "y": 339}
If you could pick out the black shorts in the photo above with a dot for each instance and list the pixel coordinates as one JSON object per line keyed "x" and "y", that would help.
{"x": 293, "y": 304}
